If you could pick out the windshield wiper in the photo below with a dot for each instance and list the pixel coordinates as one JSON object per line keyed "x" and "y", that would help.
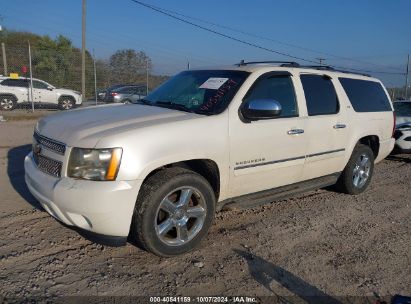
{"x": 173, "y": 105}
{"x": 179, "y": 106}
{"x": 144, "y": 101}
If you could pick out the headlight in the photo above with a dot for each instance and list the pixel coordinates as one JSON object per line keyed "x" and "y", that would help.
{"x": 94, "y": 164}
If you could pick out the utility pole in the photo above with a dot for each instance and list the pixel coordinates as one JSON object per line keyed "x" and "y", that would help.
{"x": 147, "y": 76}
{"x": 406, "y": 77}
{"x": 321, "y": 60}
{"x": 83, "y": 50}
{"x": 31, "y": 79}
{"x": 95, "y": 76}
{"x": 3, "y": 49}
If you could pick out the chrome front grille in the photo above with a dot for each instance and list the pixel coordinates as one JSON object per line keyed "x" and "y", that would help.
{"x": 50, "y": 144}
{"x": 45, "y": 163}
{"x": 48, "y": 165}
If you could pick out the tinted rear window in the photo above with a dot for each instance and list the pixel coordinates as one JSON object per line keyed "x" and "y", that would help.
{"x": 320, "y": 95}
{"x": 365, "y": 95}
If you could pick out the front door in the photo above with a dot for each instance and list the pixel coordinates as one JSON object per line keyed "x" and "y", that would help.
{"x": 43, "y": 93}
{"x": 268, "y": 153}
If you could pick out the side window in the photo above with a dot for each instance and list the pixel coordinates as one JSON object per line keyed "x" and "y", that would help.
{"x": 276, "y": 87}
{"x": 39, "y": 84}
{"x": 320, "y": 95}
{"x": 366, "y": 96}
{"x": 139, "y": 91}
{"x": 16, "y": 83}
{"x": 126, "y": 90}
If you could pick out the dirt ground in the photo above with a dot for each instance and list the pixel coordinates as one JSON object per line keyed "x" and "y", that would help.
{"x": 322, "y": 243}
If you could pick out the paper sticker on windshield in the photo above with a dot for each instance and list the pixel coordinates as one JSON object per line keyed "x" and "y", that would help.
{"x": 213, "y": 83}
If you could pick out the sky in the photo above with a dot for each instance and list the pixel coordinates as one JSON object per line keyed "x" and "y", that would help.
{"x": 370, "y": 35}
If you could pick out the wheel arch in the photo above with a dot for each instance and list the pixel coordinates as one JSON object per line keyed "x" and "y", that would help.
{"x": 67, "y": 96}
{"x": 207, "y": 168}
{"x": 372, "y": 141}
{"x": 9, "y": 94}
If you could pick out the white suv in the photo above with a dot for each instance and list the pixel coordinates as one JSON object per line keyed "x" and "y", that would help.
{"x": 14, "y": 92}
{"x": 239, "y": 135}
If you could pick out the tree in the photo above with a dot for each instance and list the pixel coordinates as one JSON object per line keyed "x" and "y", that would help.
{"x": 129, "y": 66}
{"x": 103, "y": 73}
{"x": 58, "y": 62}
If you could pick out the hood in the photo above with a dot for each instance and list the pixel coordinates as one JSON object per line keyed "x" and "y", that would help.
{"x": 85, "y": 127}
{"x": 66, "y": 91}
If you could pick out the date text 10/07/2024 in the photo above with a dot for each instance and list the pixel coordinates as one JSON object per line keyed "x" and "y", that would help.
{"x": 181, "y": 299}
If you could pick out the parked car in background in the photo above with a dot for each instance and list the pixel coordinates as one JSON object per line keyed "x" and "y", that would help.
{"x": 126, "y": 94}
{"x": 238, "y": 135}
{"x": 403, "y": 126}
{"x": 102, "y": 94}
{"x": 15, "y": 92}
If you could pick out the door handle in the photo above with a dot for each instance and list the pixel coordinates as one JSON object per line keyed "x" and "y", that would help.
{"x": 339, "y": 126}
{"x": 295, "y": 131}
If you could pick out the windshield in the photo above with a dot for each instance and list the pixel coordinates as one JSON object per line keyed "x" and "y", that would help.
{"x": 402, "y": 108}
{"x": 202, "y": 92}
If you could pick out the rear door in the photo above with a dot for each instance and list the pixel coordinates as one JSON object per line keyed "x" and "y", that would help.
{"x": 327, "y": 127}
{"x": 19, "y": 87}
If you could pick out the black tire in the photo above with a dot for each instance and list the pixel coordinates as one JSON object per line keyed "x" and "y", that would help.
{"x": 66, "y": 103}
{"x": 8, "y": 102}
{"x": 126, "y": 101}
{"x": 346, "y": 182}
{"x": 143, "y": 230}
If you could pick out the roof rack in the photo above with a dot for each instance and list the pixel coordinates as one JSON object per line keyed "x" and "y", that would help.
{"x": 319, "y": 67}
{"x": 330, "y": 68}
{"x": 292, "y": 64}
{"x": 281, "y": 63}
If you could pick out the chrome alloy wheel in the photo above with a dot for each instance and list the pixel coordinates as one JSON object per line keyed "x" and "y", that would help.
{"x": 180, "y": 216}
{"x": 361, "y": 171}
{"x": 66, "y": 104}
{"x": 6, "y": 103}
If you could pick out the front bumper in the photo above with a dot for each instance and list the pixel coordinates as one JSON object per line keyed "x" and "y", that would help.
{"x": 99, "y": 207}
{"x": 79, "y": 100}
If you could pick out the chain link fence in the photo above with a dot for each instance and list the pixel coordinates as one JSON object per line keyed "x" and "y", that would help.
{"x": 53, "y": 70}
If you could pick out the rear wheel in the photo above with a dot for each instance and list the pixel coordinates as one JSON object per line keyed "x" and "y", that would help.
{"x": 66, "y": 103}
{"x": 7, "y": 103}
{"x": 174, "y": 210}
{"x": 358, "y": 173}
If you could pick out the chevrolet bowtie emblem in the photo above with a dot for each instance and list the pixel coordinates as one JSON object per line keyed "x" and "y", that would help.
{"x": 36, "y": 148}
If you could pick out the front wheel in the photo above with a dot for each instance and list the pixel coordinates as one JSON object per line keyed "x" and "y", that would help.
{"x": 173, "y": 213}
{"x": 358, "y": 172}
{"x": 66, "y": 103}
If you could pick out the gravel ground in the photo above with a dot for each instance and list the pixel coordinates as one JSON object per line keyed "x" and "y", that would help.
{"x": 321, "y": 243}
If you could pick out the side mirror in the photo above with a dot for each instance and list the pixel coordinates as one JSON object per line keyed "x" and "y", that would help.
{"x": 261, "y": 109}
{"x": 50, "y": 88}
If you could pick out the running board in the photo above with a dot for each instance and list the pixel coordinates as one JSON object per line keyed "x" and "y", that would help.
{"x": 275, "y": 194}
